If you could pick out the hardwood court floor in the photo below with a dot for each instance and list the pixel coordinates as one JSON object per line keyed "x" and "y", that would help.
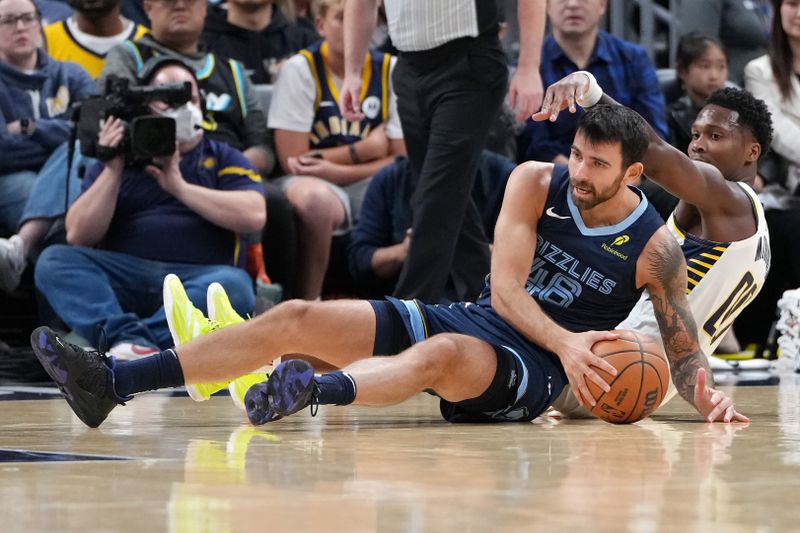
{"x": 186, "y": 467}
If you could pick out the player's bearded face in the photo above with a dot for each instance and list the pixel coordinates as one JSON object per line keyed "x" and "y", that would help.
{"x": 586, "y": 195}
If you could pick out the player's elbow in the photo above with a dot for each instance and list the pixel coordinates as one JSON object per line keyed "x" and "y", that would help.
{"x": 503, "y": 296}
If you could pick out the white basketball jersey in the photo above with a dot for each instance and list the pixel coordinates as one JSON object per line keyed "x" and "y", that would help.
{"x": 724, "y": 277}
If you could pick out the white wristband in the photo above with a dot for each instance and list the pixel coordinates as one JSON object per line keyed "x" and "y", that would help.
{"x": 593, "y": 94}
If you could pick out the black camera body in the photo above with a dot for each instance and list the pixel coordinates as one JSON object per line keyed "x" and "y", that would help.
{"x": 146, "y": 135}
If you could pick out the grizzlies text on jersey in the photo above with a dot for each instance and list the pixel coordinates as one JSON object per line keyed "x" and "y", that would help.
{"x": 585, "y": 278}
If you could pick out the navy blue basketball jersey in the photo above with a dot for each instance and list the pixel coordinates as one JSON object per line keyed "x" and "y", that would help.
{"x": 330, "y": 128}
{"x": 585, "y": 278}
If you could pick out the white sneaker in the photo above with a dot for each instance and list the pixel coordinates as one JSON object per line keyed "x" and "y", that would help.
{"x": 752, "y": 364}
{"x": 718, "y": 364}
{"x": 12, "y": 262}
{"x": 128, "y": 351}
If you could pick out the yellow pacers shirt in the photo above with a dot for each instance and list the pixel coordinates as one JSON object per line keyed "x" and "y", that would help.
{"x": 62, "y": 45}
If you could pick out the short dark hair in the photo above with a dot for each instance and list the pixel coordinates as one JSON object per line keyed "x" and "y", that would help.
{"x": 753, "y": 113}
{"x": 604, "y": 123}
{"x": 692, "y": 46}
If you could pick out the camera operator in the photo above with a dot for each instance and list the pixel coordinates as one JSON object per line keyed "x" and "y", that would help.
{"x": 176, "y": 28}
{"x": 133, "y": 224}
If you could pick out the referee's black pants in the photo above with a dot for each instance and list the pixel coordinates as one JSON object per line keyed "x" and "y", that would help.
{"x": 447, "y": 99}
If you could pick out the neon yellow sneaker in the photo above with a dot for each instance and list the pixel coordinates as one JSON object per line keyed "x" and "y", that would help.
{"x": 221, "y": 311}
{"x": 185, "y": 323}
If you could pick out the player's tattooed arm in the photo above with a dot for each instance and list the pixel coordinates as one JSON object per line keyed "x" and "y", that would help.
{"x": 667, "y": 288}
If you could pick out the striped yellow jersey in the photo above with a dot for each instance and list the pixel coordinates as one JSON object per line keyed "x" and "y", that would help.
{"x": 724, "y": 277}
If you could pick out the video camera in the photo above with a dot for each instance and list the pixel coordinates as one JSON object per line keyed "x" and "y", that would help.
{"x": 146, "y": 135}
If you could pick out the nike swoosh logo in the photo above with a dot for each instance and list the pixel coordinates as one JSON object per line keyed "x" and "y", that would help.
{"x": 553, "y": 214}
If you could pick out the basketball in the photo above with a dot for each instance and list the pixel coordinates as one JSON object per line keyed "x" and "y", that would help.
{"x": 641, "y": 381}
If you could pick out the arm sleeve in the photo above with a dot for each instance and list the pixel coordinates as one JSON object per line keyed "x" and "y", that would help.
{"x": 236, "y": 173}
{"x": 82, "y": 85}
{"x": 374, "y": 228}
{"x": 292, "y": 105}
{"x": 51, "y": 132}
{"x": 24, "y": 148}
{"x": 386, "y": 214}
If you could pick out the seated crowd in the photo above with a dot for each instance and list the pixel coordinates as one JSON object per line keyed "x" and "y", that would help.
{"x": 269, "y": 185}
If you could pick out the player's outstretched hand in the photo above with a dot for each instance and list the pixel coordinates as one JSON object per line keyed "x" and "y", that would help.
{"x": 563, "y": 94}
{"x": 713, "y": 404}
{"x": 578, "y": 359}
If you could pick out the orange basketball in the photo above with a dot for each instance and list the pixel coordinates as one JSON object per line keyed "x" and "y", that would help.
{"x": 641, "y": 381}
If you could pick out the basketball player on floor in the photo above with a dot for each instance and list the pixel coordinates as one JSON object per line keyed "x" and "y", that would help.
{"x": 574, "y": 248}
{"x": 719, "y": 221}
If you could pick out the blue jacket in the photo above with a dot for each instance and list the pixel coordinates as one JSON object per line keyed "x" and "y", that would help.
{"x": 624, "y": 72}
{"x": 44, "y": 96}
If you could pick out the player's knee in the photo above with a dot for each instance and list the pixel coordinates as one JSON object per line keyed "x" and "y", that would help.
{"x": 436, "y": 362}
{"x": 290, "y": 314}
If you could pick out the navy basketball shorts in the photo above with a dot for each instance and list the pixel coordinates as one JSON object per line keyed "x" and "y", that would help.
{"x": 527, "y": 381}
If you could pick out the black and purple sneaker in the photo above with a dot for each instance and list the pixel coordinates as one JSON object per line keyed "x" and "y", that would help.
{"x": 84, "y": 377}
{"x": 256, "y": 403}
{"x": 291, "y": 387}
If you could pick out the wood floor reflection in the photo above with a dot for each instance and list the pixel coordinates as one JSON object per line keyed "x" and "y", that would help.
{"x": 175, "y": 465}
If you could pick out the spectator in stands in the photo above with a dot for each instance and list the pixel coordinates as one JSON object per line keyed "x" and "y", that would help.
{"x": 702, "y": 68}
{"x": 620, "y": 67}
{"x": 134, "y": 224}
{"x": 86, "y": 37}
{"x": 83, "y": 38}
{"x": 232, "y": 107}
{"x": 327, "y": 158}
{"x": 774, "y": 79}
{"x": 255, "y": 32}
{"x": 380, "y": 241}
{"x": 741, "y": 25}
{"x": 35, "y": 94}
